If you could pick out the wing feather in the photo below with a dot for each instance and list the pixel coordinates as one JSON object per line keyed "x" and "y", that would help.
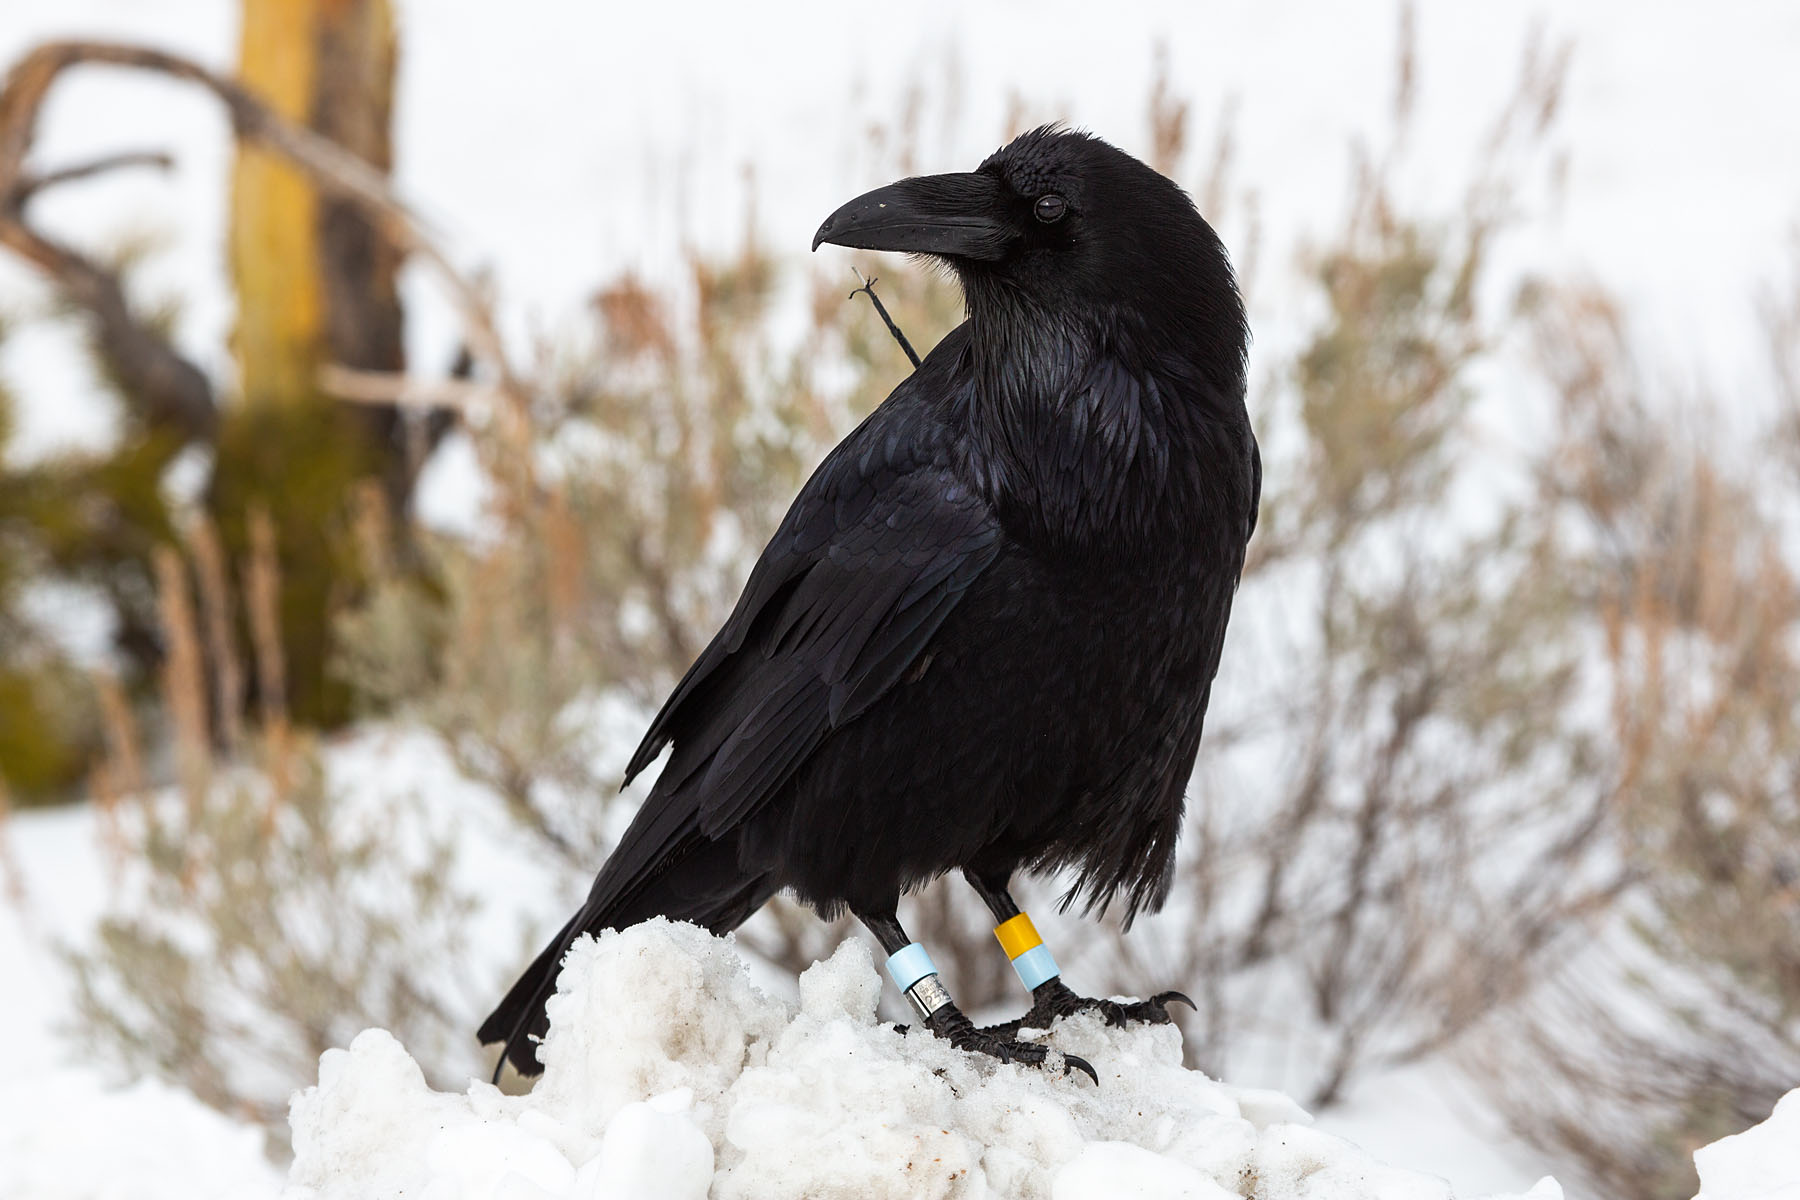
{"x": 876, "y": 552}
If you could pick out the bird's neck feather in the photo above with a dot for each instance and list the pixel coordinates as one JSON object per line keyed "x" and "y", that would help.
{"x": 1097, "y": 468}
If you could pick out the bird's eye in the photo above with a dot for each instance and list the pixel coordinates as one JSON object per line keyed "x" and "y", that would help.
{"x": 1050, "y": 209}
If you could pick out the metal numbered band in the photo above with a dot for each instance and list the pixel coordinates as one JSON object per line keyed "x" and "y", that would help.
{"x": 928, "y": 995}
{"x": 913, "y": 972}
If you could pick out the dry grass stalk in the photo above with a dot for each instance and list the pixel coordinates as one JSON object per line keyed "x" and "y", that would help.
{"x": 184, "y": 684}
{"x": 1406, "y": 67}
{"x": 119, "y": 775}
{"x": 566, "y": 565}
{"x": 221, "y": 637}
{"x": 1781, "y": 325}
{"x": 373, "y": 528}
{"x": 262, "y": 595}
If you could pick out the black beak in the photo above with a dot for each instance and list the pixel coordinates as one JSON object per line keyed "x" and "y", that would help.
{"x": 958, "y": 216}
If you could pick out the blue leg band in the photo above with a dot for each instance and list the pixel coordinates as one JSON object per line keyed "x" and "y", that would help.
{"x": 909, "y": 964}
{"x": 1036, "y": 966}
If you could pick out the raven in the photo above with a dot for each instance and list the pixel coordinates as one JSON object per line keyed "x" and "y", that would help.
{"x": 984, "y": 636}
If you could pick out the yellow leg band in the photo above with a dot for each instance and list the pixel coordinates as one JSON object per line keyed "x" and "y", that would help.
{"x": 1017, "y": 935}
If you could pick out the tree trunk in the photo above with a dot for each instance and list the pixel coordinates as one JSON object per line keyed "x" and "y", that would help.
{"x": 315, "y": 285}
{"x": 314, "y": 281}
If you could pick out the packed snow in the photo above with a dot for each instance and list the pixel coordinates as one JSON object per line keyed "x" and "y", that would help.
{"x": 667, "y": 1073}
{"x": 1761, "y": 1163}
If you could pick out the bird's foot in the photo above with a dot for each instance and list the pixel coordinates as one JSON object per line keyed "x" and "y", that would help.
{"x": 1054, "y": 1000}
{"x": 950, "y": 1024}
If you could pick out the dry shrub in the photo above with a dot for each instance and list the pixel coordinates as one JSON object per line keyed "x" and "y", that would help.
{"x": 261, "y": 919}
{"x": 1681, "y": 1023}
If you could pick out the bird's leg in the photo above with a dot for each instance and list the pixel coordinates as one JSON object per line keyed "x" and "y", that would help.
{"x": 1051, "y": 998}
{"x": 912, "y": 971}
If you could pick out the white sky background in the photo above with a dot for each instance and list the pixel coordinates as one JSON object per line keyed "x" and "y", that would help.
{"x": 559, "y": 141}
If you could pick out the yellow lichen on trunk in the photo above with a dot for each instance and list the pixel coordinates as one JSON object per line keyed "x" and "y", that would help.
{"x": 274, "y": 226}
{"x": 327, "y": 64}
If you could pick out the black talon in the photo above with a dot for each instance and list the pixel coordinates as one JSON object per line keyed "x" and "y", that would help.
{"x": 950, "y": 1024}
{"x": 1054, "y": 1000}
{"x": 1154, "y": 1011}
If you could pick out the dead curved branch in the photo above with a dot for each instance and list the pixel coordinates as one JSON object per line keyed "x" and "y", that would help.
{"x": 31, "y": 185}
{"x": 170, "y": 391}
{"x": 333, "y": 170}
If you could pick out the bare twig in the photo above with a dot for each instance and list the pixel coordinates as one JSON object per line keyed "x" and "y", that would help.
{"x": 31, "y": 185}
{"x": 1168, "y": 118}
{"x": 868, "y": 285}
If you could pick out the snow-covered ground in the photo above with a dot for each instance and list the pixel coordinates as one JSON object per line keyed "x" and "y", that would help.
{"x": 67, "y": 1130}
{"x": 1418, "y": 1116}
{"x": 668, "y": 1074}
{"x": 670, "y": 1071}
{"x": 1762, "y": 1163}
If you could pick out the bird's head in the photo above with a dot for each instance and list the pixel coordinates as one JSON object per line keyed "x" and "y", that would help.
{"x": 1060, "y": 222}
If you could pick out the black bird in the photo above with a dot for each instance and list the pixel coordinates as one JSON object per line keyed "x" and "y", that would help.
{"x": 984, "y": 636}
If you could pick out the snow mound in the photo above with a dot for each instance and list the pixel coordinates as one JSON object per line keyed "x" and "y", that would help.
{"x": 1761, "y": 1163}
{"x": 668, "y": 1075}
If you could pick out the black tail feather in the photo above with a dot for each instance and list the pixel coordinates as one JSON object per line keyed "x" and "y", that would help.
{"x": 704, "y": 886}
{"x": 519, "y": 1018}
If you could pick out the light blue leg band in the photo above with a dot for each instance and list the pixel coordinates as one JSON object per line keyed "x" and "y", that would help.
{"x": 1036, "y": 966}
{"x": 911, "y": 969}
{"x": 909, "y": 964}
